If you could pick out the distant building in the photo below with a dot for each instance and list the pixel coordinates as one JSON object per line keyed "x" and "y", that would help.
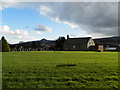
{"x": 76, "y": 44}
{"x": 109, "y": 43}
{"x": 71, "y": 44}
{"x": 100, "y": 48}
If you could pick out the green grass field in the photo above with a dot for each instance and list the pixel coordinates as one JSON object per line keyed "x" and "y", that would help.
{"x": 60, "y": 69}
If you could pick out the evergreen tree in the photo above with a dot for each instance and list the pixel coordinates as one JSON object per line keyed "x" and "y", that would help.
{"x": 5, "y": 46}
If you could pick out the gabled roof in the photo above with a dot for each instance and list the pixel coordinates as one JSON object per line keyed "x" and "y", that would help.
{"x": 82, "y": 40}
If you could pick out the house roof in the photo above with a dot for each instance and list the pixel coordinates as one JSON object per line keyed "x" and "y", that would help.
{"x": 82, "y": 40}
{"x": 112, "y": 41}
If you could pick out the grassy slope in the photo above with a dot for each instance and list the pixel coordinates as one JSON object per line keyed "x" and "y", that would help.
{"x": 38, "y": 69}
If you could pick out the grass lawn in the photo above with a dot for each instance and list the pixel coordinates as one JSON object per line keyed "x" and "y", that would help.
{"x": 60, "y": 69}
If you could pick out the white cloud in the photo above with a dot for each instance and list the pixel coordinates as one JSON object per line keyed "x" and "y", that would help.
{"x": 42, "y": 28}
{"x": 14, "y": 36}
{"x": 6, "y": 30}
{"x": 72, "y": 25}
{"x": 45, "y": 10}
{"x": 4, "y": 4}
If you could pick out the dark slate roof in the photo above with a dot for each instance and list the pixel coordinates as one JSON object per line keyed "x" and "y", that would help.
{"x": 82, "y": 40}
{"x": 112, "y": 41}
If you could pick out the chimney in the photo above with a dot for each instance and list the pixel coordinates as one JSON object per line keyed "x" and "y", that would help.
{"x": 67, "y": 36}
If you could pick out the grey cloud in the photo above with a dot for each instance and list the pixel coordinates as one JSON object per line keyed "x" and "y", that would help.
{"x": 93, "y": 16}
{"x": 42, "y": 28}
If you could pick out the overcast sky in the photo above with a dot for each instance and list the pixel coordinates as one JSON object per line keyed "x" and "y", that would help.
{"x": 34, "y": 21}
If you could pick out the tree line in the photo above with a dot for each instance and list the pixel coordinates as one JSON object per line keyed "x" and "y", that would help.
{"x": 4, "y": 46}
